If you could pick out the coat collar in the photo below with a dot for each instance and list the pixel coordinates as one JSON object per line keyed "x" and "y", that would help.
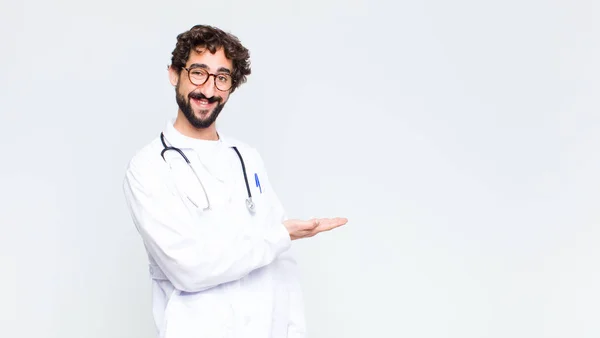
{"x": 177, "y": 139}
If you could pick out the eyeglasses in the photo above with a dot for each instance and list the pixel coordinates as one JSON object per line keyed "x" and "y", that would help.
{"x": 199, "y": 76}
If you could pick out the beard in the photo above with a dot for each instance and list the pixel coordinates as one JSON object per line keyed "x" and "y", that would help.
{"x": 188, "y": 111}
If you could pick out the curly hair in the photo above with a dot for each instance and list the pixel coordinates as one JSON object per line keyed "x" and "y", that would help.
{"x": 213, "y": 38}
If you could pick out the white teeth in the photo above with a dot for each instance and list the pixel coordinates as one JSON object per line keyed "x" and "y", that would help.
{"x": 202, "y": 102}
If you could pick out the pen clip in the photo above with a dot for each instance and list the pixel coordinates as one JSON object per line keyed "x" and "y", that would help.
{"x": 257, "y": 182}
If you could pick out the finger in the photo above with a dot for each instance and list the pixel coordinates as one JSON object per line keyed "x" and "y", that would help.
{"x": 306, "y": 227}
{"x": 313, "y": 223}
{"x": 309, "y": 223}
{"x": 337, "y": 220}
{"x": 331, "y": 224}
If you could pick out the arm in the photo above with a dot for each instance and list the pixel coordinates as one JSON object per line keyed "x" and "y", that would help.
{"x": 191, "y": 257}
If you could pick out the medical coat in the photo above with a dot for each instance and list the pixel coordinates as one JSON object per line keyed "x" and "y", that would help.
{"x": 222, "y": 272}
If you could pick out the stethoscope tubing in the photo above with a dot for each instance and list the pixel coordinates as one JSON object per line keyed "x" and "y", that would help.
{"x": 244, "y": 171}
{"x": 249, "y": 203}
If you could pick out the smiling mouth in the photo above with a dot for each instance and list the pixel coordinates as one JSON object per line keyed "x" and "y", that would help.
{"x": 203, "y": 103}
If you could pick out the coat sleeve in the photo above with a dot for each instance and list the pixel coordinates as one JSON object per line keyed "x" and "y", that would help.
{"x": 191, "y": 257}
{"x": 291, "y": 272}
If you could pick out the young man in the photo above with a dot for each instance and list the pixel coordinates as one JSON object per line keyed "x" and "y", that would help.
{"x": 215, "y": 232}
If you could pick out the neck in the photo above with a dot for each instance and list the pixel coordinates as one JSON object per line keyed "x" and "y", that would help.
{"x": 183, "y": 126}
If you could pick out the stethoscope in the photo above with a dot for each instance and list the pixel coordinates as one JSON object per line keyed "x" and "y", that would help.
{"x": 249, "y": 203}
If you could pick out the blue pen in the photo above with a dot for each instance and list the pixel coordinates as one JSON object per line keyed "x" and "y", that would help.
{"x": 257, "y": 182}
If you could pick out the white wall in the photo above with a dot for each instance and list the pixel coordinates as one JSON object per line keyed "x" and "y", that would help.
{"x": 460, "y": 139}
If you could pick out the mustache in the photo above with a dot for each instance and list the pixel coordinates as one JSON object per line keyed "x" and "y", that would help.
{"x": 200, "y": 96}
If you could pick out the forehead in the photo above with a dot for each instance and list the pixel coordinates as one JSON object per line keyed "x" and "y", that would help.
{"x": 203, "y": 56}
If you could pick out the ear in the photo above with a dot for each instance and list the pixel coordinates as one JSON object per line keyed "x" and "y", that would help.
{"x": 173, "y": 76}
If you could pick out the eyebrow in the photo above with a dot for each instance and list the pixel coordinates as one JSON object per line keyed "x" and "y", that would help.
{"x": 204, "y": 66}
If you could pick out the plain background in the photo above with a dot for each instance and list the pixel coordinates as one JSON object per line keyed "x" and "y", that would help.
{"x": 460, "y": 138}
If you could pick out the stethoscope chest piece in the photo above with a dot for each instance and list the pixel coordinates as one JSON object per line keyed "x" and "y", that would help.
{"x": 250, "y": 205}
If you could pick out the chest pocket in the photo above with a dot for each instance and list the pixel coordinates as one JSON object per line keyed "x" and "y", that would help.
{"x": 258, "y": 195}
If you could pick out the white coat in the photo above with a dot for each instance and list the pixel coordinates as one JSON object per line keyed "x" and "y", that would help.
{"x": 222, "y": 272}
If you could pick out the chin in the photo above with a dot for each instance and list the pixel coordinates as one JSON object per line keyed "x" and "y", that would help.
{"x": 203, "y": 114}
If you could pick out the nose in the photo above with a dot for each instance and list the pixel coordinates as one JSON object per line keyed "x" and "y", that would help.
{"x": 208, "y": 88}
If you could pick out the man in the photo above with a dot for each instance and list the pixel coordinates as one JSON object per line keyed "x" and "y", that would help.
{"x": 215, "y": 232}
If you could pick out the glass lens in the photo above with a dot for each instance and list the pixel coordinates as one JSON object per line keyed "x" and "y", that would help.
{"x": 198, "y": 76}
{"x": 223, "y": 81}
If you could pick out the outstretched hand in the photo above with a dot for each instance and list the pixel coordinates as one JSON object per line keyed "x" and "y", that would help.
{"x": 303, "y": 229}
